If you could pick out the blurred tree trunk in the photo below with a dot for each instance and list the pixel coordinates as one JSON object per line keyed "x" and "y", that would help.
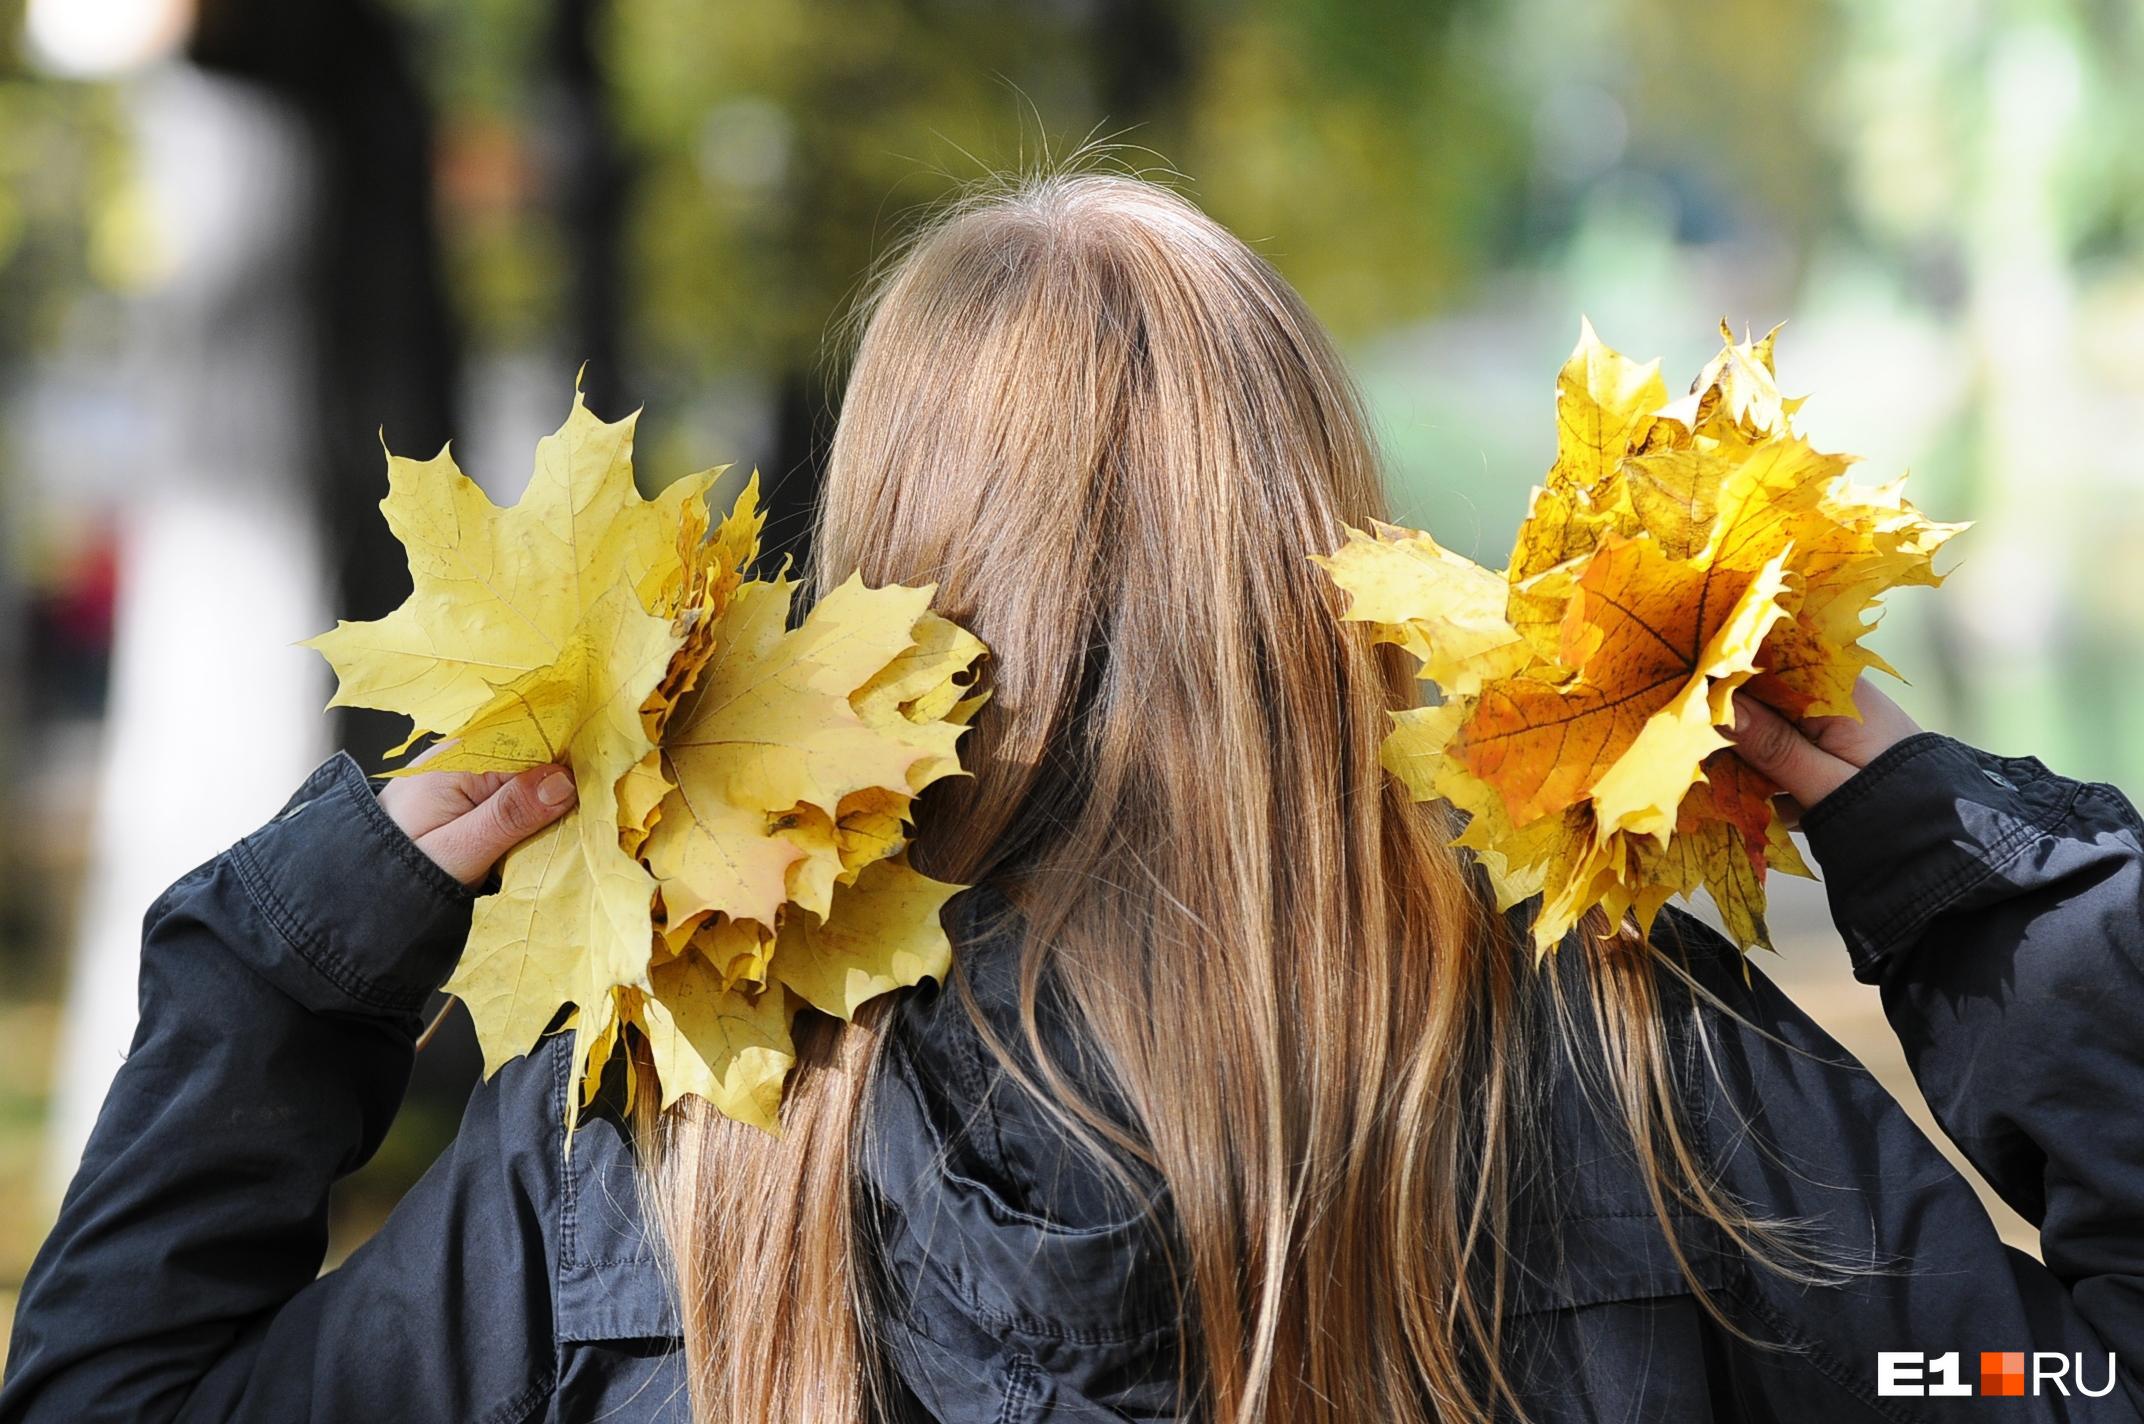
{"x": 594, "y": 183}
{"x": 804, "y": 410}
{"x": 385, "y": 354}
{"x": 1141, "y": 62}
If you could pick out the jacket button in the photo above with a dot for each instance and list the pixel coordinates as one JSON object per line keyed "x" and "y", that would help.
{"x": 1999, "y": 779}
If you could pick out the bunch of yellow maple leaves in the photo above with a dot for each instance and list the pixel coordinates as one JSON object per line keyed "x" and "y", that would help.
{"x": 1677, "y": 552}
{"x": 737, "y": 851}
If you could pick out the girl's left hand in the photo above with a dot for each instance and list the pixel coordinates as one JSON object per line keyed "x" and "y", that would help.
{"x": 466, "y": 820}
{"x": 1812, "y": 757}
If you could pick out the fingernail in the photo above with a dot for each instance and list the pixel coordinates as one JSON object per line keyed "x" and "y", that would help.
{"x": 556, "y": 790}
{"x": 1741, "y": 722}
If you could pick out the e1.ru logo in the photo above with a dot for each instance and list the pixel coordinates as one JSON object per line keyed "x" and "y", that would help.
{"x": 2003, "y": 1373}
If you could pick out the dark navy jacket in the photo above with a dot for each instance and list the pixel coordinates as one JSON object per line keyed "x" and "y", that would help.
{"x": 1996, "y": 904}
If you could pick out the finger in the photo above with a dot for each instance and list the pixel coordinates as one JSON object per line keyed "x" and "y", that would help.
{"x": 474, "y": 788}
{"x": 422, "y": 803}
{"x": 1860, "y": 740}
{"x": 470, "y": 845}
{"x": 1776, "y": 747}
{"x": 1882, "y": 716}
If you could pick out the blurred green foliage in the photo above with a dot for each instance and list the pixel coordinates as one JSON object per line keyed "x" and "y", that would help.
{"x": 1958, "y": 181}
{"x": 781, "y": 146}
{"x": 69, "y": 222}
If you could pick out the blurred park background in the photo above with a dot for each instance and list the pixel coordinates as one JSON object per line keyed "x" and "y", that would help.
{"x": 241, "y": 239}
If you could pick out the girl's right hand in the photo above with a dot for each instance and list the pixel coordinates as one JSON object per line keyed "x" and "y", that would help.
{"x": 1814, "y": 756}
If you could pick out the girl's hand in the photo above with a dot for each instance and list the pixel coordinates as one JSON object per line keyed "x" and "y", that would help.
{"x": 466, "y": 820}
{"x": 1813, "y": 757}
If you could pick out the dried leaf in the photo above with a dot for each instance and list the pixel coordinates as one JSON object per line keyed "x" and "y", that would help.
{"x": 1676, "y": 552}
{"x": 736, "y": 852}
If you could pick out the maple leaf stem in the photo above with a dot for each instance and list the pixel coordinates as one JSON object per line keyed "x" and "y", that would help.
{"x": 433, "y": 1027}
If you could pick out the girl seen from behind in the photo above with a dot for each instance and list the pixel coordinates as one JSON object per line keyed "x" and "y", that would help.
{"x": 1242, "y": 1102}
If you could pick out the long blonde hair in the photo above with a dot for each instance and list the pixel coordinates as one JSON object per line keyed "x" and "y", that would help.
{"x": 1113, "y": 437}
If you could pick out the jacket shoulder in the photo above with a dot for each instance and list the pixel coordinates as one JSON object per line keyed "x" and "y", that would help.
{"x": 576, "y": 1208}
{"x": 612, "y": 1276}
{"x": 1586, "y": 1228}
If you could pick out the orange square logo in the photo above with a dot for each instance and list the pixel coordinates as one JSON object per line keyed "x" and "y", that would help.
{"x": 2002, "y": 1372}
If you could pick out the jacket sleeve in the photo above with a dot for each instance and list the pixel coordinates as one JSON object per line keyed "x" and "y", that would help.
{"x": 1997, "y": 906}
{"x": 2000, "y": 908}
{"x": 280, "y": 990}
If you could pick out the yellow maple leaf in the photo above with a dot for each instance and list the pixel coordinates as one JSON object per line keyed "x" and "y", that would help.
{"x": 772, "y": 733}
{"x": 499, "y": 594}
{"x": 728, "y": 1045}
{"x": 839, "y": 964}
{"x": 1605, "y": 409}
{"x": 1676, "y": 552}
{"x": 1446, "y": 610}
{"x": 735, "y": 854}
{"x": 533, "y": 634}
